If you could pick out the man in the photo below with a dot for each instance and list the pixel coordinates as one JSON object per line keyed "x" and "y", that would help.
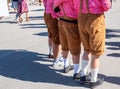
{"x": 53, "y": 32}
{"x": 91, "y": 22}
{"x": 69, "y": 34}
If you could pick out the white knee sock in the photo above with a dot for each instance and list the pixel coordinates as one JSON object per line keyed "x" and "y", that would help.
{"x": 94, "y": 74}
{"x": 76, "y": 68}
{"x": 60, "y": 57}
{"x": 50, "y": 50}
{"x": 66, "y": 62}
{"x": 84, "y": 67}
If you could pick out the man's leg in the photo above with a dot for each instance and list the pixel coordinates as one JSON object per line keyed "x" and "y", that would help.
{"x": 50, "y": 45}
{"x": 95, "y": 81}
{"x": 84, "y": 78}
{"x": 27, "y": 18}
{"x": 20, "y": 18}
{"x": 56, "y": 52}
{"x": 67, "y": 66}
{"x": 76, "y": 59}
{"x": 85, "y": 63}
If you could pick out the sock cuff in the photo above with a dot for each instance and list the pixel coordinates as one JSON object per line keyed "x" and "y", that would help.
{"x": 85, "y": 61}
{"x": 94, "y": 69}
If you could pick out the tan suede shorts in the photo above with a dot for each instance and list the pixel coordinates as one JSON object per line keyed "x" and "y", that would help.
{"x": 69, "y": 37}
{"x": 92, "y": 31}
{"x": 52, "y": 26}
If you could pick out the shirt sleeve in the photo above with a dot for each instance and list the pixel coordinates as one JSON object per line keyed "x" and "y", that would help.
{"x": 44, "y": 3}
{"x": 106, "y": 4}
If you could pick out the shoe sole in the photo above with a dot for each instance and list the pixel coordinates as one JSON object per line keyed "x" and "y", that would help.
{"x": 58, "y": 66}
{"x": 95, "y": 86}
{"x": 66, "y": 71}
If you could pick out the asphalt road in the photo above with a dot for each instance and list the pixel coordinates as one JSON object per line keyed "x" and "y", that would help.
{"x": 24, "y": 49}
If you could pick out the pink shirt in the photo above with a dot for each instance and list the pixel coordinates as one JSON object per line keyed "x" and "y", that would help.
{"x": 54, "y": 15}
{"x": 49, "y": 8}
{"x": 67, "y": 8}
{"x": 95, "y": 6}
{"x": 46, "y": 2}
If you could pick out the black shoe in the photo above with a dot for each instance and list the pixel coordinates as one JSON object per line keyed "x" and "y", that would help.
{"x": 76, "y": 77}
{"x": 68, "y": 68}
{"x": 85, "y": 79}
{"x": 97, "y": 83}
{"x": 50, "y": 56}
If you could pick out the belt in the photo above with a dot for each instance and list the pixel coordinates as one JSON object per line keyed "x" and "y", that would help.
{"x": 69, "y": 21}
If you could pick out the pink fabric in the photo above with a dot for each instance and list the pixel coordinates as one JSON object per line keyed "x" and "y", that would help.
{"x": 67, "y": 6}
{"x": 23, "y": 7}
{"x": 54, "y": 15}
{"x": 44, "y": 3}
{"x": 95, "y": 6}
{"x": 49, "y": 8}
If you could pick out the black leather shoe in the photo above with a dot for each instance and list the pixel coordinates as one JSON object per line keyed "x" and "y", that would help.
{"x": 76, "y": 77}
{"x": 85, "y": 79}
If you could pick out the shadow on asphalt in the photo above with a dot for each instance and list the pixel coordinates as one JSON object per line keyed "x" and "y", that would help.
{"x": 113, "y": 33}
{"x": 33, "y": 26}
{"x": 42, "y": 34}
{"x": 111, "y": 79}
{"x": 36, "y": 17}
{"x": 38, "y": 10}
{"x": 30, "y": 66}
{"x": 114, "y": 46}
{"x": 5, "y": 22}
